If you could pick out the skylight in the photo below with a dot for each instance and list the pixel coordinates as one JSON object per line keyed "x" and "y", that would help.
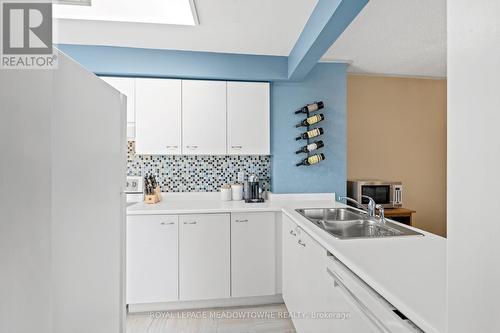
{"x": 178, "y": 12}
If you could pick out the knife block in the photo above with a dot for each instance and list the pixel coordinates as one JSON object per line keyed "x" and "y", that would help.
{"x": 153, "y": 198}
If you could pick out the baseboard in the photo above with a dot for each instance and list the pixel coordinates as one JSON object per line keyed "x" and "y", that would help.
{"x": 204, "y": 304}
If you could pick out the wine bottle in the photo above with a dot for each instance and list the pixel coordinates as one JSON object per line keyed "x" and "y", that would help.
{"x": 310, "y": 147}
{"x": 310, "y": 134}
{"x": 311, "y": 160}
{"x": 311, "y": 107}
{"x": 311, "y": 120}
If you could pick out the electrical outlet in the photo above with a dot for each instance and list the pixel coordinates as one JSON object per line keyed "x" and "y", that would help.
{"x": 134, "y": 184}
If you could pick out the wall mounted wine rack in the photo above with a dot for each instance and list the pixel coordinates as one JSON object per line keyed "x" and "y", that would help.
{"x": 308, "y": 110}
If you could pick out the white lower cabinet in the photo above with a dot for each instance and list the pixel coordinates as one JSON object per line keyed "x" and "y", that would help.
{"x": 308, "y": 291}
{"x": 290, "y": 273}
{"x": 253, "y": 254}
{"x": 204, "y": 256}
{"x": 152, "y": 259}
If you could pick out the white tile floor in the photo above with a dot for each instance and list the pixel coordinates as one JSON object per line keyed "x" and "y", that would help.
{"x": 265, "y": 319}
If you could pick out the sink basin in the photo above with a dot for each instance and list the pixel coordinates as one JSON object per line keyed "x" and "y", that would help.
{"x": 331, "y": 214}
{"x": 346, "y": 223}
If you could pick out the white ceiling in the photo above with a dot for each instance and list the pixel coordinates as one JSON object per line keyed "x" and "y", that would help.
{"x": 391, "y": 37}
{"x": 395, "y": 37}
{"x": 233, "y": 26}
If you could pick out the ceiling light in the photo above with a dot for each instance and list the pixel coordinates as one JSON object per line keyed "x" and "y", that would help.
{"x": 178, "y": 12}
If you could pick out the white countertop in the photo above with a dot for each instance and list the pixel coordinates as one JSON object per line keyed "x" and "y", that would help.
{"x": 410, "y": 272}
{"x": 193, "y": 203}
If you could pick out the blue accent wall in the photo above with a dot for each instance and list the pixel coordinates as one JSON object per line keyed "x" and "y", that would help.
{"x": 325, "y": 82}
{"x": 139, "y": 62}
{"x": 326, "y": 23}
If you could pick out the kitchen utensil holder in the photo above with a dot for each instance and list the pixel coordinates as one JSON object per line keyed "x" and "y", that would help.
{"x": 153, "y": 198}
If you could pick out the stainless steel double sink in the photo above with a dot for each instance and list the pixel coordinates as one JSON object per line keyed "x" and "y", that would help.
{"x": 346, "y": 223}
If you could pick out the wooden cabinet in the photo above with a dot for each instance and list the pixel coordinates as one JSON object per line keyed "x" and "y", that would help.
{"x": 158, "y": 116}
{"x": 203, "y": 117}
{"x": 248, "y": 131}
{"x": 253, "y": 254}
{"x": 204, "y": 256}
{"x": 152, "y": 258}
{"x": 126, "y": 86}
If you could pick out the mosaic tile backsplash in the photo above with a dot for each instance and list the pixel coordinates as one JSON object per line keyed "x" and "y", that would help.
{"x": 196, "y": 173}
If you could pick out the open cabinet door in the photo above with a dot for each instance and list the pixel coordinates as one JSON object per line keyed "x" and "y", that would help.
{"x": 88, "y": 136}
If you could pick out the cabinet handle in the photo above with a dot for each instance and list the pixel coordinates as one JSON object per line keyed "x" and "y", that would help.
{"x": 237, "y": 147}
{"x": 167, "y": 223}
{"x": 293, "y": 233}
{"x": 191, "y": 147}
{"x": 241, "y": 221}
{"x": 172, "y": 147}
{"x": 191, "y": 222}
{"x": 301, "y": 243}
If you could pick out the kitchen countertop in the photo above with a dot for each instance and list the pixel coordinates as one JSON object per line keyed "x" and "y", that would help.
{"x": 409, "y": 272}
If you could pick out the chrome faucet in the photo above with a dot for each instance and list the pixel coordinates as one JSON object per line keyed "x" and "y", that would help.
{"x": 370, "y": 208}
{"x": 381, "y": 213}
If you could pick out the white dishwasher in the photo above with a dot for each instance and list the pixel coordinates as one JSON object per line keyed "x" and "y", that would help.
{"x": 377, "y": 312}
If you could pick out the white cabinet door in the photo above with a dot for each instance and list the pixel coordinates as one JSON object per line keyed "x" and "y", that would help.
{"x": 126, "y": 86}
{"x": 304, "y": 279}
{"x": 253, "y": 254}
{"x": 204, "y": 256}
{"x": 248, "y": 131}
{"x": 290, "y": 269}
{"x": 309, "y": 290}
{"x": 313, "y": 277}
{"x": 158, "y": 116}
{"x": 152, "y": 258}
{"x": 203, "y": 117}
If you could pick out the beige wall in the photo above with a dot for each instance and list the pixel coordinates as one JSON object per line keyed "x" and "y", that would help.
{"x": 397, "y": 131}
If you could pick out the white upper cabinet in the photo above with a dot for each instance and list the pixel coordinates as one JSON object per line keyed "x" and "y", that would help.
{"x": 203, "y": 117}
{"x": 248, "y": 131}
{"x": 196, "y": 117}
{"x": 126, "y": 86}
{"x": 158, "y": 116}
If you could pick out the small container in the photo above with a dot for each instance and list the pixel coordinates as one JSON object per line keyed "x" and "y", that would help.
{"x": 237, "y": 192}
{"x": 225, "y": 193}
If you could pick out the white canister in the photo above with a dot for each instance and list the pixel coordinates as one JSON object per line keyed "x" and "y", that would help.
{"x": 237, "y": 191}
{"x": 225, "y": 193}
